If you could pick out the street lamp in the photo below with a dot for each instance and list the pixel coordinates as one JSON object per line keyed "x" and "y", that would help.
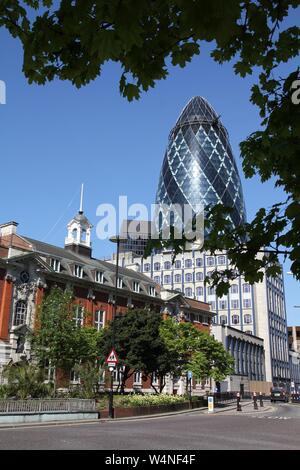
{"x": 212, "y": 364}
{"x": 116, "y": 239}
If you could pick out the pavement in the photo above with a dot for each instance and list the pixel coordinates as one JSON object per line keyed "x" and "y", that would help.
{"x": 245, "y": 405}
{"x": 270, "y": 428}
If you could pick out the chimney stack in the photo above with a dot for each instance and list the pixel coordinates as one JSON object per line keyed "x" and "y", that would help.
{"x": 10, "y": 228}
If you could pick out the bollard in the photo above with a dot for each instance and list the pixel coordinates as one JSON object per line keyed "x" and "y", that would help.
{"x": 261, "y": 403}
{"x": 238, "y": 402}
{"x": 255, "y": 401}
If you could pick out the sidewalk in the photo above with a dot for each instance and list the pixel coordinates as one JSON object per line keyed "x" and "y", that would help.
{"x": 247, "y": 408}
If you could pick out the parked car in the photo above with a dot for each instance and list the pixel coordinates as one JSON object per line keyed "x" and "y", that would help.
{"x": 279, "y": 394}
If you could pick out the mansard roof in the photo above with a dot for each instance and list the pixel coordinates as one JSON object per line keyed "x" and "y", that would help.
{"x": 62, "y": 253}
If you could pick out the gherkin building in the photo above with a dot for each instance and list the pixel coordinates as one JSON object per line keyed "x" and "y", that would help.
{"x": 199, "y": 166}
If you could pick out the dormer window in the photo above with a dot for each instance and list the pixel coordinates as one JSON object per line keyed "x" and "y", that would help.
{"x": 99, "y": 277}
{"x": 55, "y": 264}
{"x": 152, "y": 291}
{"x": 78, "y": 271}
{"x": 136, "y": 286}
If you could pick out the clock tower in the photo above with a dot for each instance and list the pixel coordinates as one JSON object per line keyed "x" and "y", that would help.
{"x": 78, "y": 239}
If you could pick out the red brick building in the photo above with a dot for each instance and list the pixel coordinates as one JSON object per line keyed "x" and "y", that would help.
{"x": 29, "y": 268}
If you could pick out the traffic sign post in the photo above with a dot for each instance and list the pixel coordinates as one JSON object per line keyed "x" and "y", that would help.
{"x": 111, "y": 361}
{"x": 190, "y": 378}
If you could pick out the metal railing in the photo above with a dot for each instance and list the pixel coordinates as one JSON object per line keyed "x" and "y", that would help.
{"x": 226, "y": 398}
{"x": 46, "y": 406}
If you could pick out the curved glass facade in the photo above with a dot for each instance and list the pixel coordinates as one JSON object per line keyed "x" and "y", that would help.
{"x": 199, "y": 166}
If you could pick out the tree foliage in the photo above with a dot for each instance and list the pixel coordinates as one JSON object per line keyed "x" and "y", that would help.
{"x": 58, "y": 340}
{"x": 135, "y": 337}
{"x": 196, "y": 351}
{"x": 147, "y": 343}
{"x": 72, "y": 40}
{"x": 89, "y": 373}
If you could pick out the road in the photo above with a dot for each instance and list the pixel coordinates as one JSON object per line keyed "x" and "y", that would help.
{"x": 278, "y": 428}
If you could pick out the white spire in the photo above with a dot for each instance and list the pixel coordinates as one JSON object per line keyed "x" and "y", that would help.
{"x": 81, "y": 198}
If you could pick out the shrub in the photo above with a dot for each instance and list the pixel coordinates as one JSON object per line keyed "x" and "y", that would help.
{"x": 148, "y": 400}
{"x": 4, "y": 392}
{"x": 25, "y": 381}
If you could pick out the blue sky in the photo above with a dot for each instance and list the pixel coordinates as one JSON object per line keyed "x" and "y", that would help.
{"x": 54, "y": 137}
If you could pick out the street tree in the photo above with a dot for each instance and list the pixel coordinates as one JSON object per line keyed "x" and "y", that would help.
{"x": 57, "y": 340}
{"x": 136, "y": 339}
{"x": 72, "y": 40}
{"x": 196, "y": 351}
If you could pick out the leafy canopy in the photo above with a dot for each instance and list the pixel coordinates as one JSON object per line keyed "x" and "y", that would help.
{"x": 145, "y": 342}
{"x": 57, "y": 339}
{"x": 135, "y": 337}
{"x": 73, "y": 39}
{"x": 196, "y": 351}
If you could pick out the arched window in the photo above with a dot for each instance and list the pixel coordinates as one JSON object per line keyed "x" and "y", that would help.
{"x": 189, "y": 292}
{"x": 74, "y": 234}
{"x": 199, "y": 262}
{"x": 146, "y": 267}
{"x": 177, "y": 278}
{"x": 156, "y": 266}
{"x": 221, "y": 260}
{"x": 157, "y": 279}
{"x": 247, "y": 318}
{"x": 83, "y": 236}
{"x": 20, "y": 313}
{"x": 177, "y": 264}
{"x": 211, "y": 290}
{"x": 199, "y": 276}
{"x": 210, "y": 261}
{"x": 223, "y": 319}
{"x": 235, "y": 320}
{"x": 188, "y": 263}
{"x": 223, "y": 304}
{"x": 167, "y": 265}
{"x": 199, "y": 291}
{"x": 234, "y": 289}
{"x": 188, "y": 277}
{"x": 167, "y": 279}
{"x": 246, "y": 288}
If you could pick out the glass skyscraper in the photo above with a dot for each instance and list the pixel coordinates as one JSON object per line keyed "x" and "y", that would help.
{"x": 199, "y": 166}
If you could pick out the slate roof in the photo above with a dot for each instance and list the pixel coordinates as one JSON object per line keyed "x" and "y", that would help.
{"x": 62, "y": 253}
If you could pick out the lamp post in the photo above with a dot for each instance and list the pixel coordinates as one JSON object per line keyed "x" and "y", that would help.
{"x": 116, "y": 239}
{"x": 210, "y": 378}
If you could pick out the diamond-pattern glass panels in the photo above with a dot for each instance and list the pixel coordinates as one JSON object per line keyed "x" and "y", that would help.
{"x": 199, "y": 167}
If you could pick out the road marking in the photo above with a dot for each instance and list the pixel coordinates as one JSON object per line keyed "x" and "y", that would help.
{"x": 271, "y": 417}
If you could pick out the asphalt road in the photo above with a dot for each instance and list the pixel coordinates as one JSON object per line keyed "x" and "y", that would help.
{"x": 278, "y": 428}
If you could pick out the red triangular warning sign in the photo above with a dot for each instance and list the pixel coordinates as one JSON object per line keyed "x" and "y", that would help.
{"x": 112, "y": 357}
